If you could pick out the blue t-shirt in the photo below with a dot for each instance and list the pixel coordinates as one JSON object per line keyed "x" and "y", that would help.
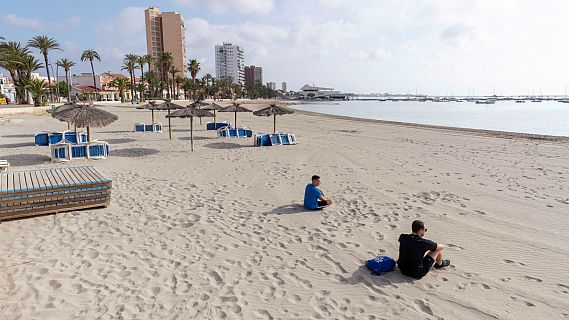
{"x": 311, "y": 196}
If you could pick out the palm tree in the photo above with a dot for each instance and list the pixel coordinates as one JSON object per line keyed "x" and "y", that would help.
{"x": 12, "y": 55}
{"x": 194, "y": 68}
{"x": 37, "y": 88}
{"x": 28, "y": 65}
{"x": 91, "y": 55}
{"x": 44, "y": 44}
{"x": 130, "y": 64}
{"x": 141, "y": 62}
{"x": 164, "y": 63}
{"x": 66, "y": 64}
{"x": 173, "y": 70}
{"x": 121, "y": 84}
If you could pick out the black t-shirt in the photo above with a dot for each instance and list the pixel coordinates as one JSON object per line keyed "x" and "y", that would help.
{"x": 412, "y": 250}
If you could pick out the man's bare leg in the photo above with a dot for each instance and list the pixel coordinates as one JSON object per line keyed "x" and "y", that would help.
{"x": 437, "y": 255}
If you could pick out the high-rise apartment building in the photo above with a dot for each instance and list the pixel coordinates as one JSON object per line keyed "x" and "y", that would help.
{"x": 229, "y": 62}
{"x": 253, "y": 75}
{"x": 284, "y": 87}
{"x": 272, "y": 85}
{"x": 166, "y": 32}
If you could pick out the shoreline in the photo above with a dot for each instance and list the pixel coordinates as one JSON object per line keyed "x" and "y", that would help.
{"x": 480, "y": 132}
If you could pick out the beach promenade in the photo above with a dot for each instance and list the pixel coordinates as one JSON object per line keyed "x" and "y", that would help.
{"x": 220, "y": 233}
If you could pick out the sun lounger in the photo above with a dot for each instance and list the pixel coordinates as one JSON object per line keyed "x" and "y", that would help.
{"x": 273, "y": 139}
{"x": 227, "y": 132}
{"x": 49, "y": 138}
{"x": 66, "y": 151}
{"x": 142, "y": 127}
{"x": 4, "y": 165}
{"x": 44, "y": 191}
{"x": 217, "y": 125}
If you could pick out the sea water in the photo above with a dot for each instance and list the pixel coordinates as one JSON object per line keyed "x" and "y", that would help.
{"x": 547, "y": 117}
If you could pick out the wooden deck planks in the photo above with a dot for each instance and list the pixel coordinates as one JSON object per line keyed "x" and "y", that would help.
{"x": 35, "y": 192}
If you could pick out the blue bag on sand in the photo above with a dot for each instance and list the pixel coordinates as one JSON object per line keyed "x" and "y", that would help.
{"x": 381, "y": 265}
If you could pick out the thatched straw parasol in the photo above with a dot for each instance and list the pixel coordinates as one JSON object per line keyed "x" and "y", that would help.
{"x": 273, "y": 110}
{"x": 86, "y": 116}
{"x": 235, "y": 107}
{"x": 190, "y": 112}
{"x": 168, "y": 105}
{"x": 151, "y": 105}
{"x": 198, "y": 105}
{"x": 213, "y": 107}
{"x": 65, "y": 106}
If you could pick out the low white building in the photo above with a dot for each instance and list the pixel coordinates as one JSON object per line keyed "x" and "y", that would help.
{"x": 313, "y": 92}
{"x": 7, "y": 88}
{"x": 83, "y": 79}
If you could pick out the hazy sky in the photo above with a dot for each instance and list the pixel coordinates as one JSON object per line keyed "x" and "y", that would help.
{"x": 432, "y": 46}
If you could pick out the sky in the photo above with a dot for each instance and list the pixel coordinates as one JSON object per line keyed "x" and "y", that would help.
{"x": 438, "y": 47}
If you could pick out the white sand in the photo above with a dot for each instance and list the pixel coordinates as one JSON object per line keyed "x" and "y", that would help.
{"x": 219, "y": 233}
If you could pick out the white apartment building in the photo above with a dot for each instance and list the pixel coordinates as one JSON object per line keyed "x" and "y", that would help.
{"x": 284, "y": 87}
{"x": 272, "y": 85}
{"x": 230, "y": 62}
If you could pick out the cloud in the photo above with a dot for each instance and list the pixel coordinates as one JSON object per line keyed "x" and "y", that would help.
{"x": 257, "y": 7}
{"x": 13, "y": 20}
{"x": 127, "y": 22}
{"x": 32, "y": 23}
{"x": 118, "y": 35}
{"x": 455, "y": 33}
{"x": 375, "y": 55}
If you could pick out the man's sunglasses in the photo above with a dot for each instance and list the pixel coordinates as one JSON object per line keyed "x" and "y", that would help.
{"x": 425, "y": 229}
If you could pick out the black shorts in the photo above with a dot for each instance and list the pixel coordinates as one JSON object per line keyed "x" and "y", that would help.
{"x": 322, "y": 204}
{"x": 428, "y": 263}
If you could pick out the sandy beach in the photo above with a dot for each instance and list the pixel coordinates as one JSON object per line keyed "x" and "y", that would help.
{"x": 220, "y": 233}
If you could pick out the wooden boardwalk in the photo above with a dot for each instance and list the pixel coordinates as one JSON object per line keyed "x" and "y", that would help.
{"x": 44, "y": 191}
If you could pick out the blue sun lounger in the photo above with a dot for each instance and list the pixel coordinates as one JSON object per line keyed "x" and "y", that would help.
{"x": 65, "y": 151}
{"x": 143, "y": 127}
{"x": 274, "y": 139}
{"x": 227, "y": 132}
{"x": 49, "y": 138}
{"x": 217, "y": 125}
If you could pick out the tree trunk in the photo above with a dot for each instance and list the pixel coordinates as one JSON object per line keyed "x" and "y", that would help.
{"x": 48, "y": 76}
{"x": 142, "y": 80}
{"x": 68, "y": 86}
{"x": 94, "y": 81}
{"x": 134, "y": 86}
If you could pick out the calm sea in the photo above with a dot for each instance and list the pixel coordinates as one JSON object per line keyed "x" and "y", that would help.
{"x": 548, "y": 117}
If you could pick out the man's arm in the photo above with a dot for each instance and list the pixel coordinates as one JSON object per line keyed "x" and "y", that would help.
{"x": 323, "y": 196}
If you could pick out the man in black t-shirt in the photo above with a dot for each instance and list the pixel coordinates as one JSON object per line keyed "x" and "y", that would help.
{"x": 417, "y": 255}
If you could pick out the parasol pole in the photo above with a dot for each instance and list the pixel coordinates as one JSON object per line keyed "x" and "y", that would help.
{"x": 214, "y": 122}
{"x": 88, "y": 134}
{"x": 152, "y": 116}
{"x": 274, "y": 123}
{"x": 235, "y": 119}
{"x": 169, "y": 125}
{"x": 192, "y": 132}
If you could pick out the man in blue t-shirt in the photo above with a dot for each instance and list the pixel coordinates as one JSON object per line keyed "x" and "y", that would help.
{"x": 314, "y": 198}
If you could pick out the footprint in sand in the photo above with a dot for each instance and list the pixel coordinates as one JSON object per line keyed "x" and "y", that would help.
{"x": 54, "y": 284}
{"x": 450, "y": 245}
{"x": 423, "y": 307}
{"x": 533, "y": 279}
